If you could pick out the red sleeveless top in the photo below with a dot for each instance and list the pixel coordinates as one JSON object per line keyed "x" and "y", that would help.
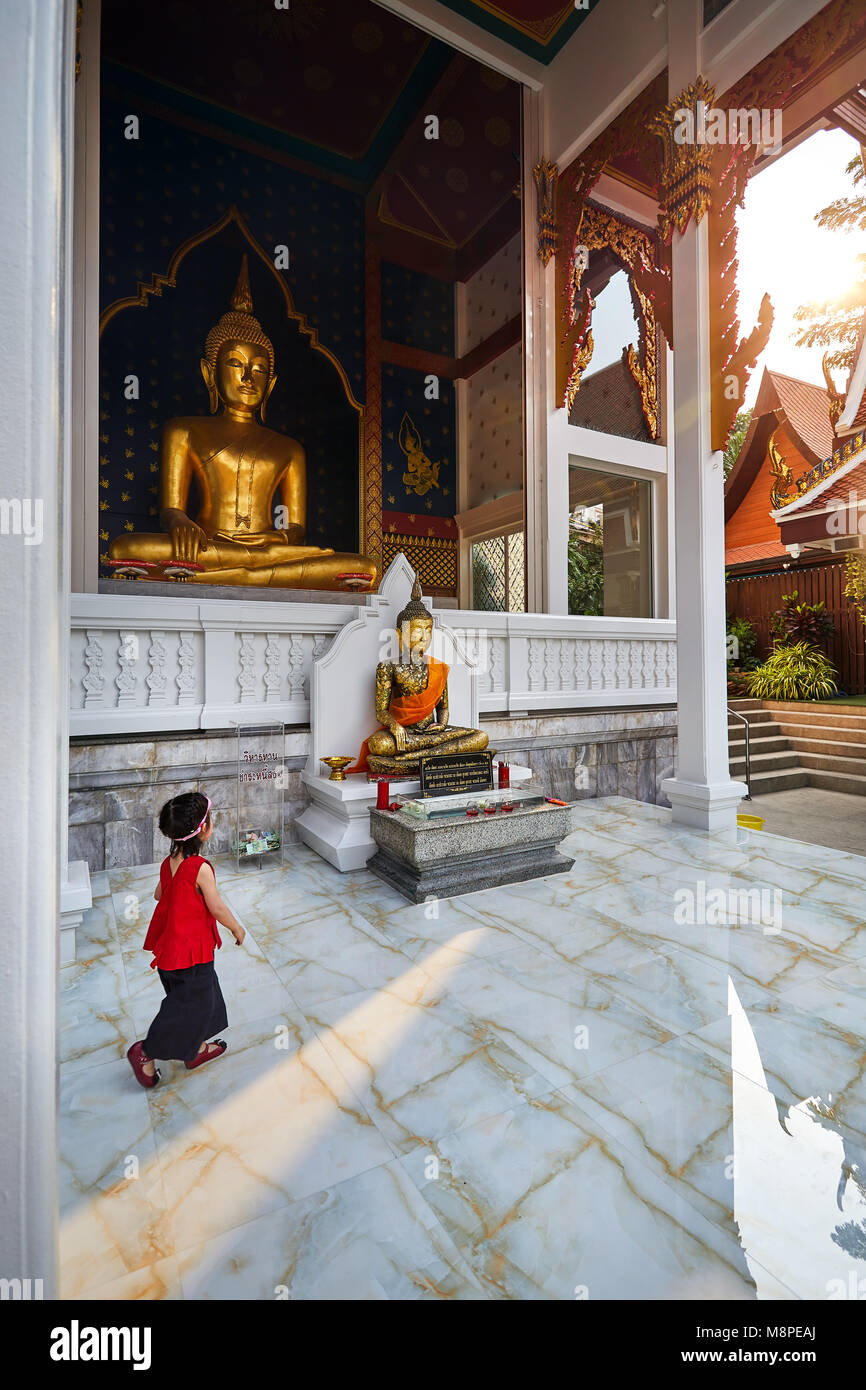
{"x": 182, "y": 932}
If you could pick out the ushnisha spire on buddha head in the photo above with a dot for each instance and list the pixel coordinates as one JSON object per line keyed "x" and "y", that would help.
{"x": 414, "y": 609}
{"x": 239, "y": 325}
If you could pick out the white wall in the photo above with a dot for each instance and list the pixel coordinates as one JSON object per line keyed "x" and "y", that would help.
{"x": 36, "y": 75}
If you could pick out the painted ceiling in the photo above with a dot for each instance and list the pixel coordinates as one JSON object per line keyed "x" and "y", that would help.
{"x": 342, "y": 86}
{"x": 538, "y": 27}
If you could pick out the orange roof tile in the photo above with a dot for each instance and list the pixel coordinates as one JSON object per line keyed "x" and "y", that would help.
{"x": 807, "y": 408}
{"x": 766, "y": 550}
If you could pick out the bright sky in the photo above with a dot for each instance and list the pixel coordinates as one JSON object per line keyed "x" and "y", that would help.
{"x": 782, "y": 249}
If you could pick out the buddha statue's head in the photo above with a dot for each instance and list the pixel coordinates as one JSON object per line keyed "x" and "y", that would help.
{"x": 238, "y": 362}
{"x": 414, "y": 627}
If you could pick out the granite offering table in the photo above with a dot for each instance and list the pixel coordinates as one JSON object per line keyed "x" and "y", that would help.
{"x": 443, "y": 858}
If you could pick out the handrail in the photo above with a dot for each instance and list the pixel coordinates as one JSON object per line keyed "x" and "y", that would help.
{"x": 743, "y": 720}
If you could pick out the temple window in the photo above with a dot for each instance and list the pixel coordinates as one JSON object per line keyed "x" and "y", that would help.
{"x": 497, "y": 567}
{"x": 609, "y": 544}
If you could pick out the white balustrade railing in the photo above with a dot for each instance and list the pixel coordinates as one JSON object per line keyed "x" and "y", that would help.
{"x": 528, "y": 661}
{"x": 150, "y": 664}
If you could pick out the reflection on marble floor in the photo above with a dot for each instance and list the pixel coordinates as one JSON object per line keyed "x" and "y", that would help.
{"x": 633, "y": 1080}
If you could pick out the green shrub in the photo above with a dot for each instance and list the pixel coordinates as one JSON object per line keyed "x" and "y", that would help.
{"x": 746, "y": 637}
{"x": 803, "y": 622}
{"x": 795, "y": 672}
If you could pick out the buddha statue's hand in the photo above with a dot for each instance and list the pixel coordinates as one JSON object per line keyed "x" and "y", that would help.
{"x": 399, "y": 737}
{"x": 187, "y": 537}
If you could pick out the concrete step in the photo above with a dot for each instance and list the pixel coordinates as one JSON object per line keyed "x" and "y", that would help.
{"x": 783, "y": 781}
{"x": 824, "y": 762}
{"x": 742, "y": 704}
{"x": 834, "y": 717}
{"x": 823, "y": 733}
{"x": 818, "y": 706}
{"x": 837, "y": 782}
{"x": 754, "y": 716}
{"x": 767, "y": 762}
{"x": 837, "y": 748}
{"x": 773, "y": 744}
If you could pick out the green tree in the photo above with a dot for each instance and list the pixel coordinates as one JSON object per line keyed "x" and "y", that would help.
{"x": 586, "y": 568}
{"x": 834, "y": 324}
{"x": 736, "y": 437}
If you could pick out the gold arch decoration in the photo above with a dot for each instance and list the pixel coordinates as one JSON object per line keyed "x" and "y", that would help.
{"x": 637, "y": 251}
{"x": 159, "y": 282}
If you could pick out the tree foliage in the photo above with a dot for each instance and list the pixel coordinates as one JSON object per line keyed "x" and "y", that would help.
{"x": 834, "y": 324}
{"x": 739, "y": 429}
{"x": 586, "y": 568}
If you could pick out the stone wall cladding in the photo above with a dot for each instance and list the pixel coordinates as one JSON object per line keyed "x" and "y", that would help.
{"x": 117, "y": 786}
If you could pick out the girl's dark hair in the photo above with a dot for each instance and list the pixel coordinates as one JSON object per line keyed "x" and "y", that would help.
{"x": 179, "y": 817}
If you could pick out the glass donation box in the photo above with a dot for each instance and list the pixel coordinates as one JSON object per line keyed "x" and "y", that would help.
{"x": 261, "y": 792}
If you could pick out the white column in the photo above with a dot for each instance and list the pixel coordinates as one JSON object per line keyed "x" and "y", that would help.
{"x": 702, "y": 793}
{"x": 84, "y": 427}
{"x": 80, "y": 536}
{"x": 538, "y": 289}
{"x": 37, "y": 68}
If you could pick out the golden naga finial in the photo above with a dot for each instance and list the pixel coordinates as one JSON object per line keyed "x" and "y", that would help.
{"x": 835, "y": 399}
{"x": 780, "y": 490}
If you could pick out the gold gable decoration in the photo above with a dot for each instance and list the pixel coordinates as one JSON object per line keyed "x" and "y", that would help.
{"x": 545, "y": 175}
{"x": 685, "y": 186}
{"x": 636, "y": 250}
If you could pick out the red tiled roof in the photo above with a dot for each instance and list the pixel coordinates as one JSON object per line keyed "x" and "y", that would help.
{"x": 807, "y": 408}
{"x": 766, "y": 550}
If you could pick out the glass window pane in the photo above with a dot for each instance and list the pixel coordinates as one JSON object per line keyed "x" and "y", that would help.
{"x": 712, "y": 8}
{"x": 488, "y": 574}
{"x": 516, "y": 599}
{"x": 498, "y": 584}
{"x": 609, "y": 545}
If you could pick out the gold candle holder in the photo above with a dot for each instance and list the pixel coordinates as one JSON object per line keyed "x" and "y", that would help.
{"x": 337, "y": 766}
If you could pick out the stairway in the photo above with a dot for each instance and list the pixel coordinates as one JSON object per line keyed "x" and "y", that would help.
{"x": 800, "y": 745}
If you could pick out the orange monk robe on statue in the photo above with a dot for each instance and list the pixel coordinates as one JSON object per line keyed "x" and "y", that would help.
{"x": 409, "y": 710}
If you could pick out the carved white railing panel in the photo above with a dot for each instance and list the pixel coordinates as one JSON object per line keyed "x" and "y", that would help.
{"x": 140, "y": 664}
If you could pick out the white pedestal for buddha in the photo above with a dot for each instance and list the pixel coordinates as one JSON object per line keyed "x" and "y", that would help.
{"x": 336, "y": 824}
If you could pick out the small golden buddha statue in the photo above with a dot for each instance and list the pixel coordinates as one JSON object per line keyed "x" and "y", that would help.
{"x": 412, "y": 703}
{"x": 240, "y": 468}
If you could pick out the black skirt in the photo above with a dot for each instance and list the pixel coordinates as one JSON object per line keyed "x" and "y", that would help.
{"x": 192, "y": 1011}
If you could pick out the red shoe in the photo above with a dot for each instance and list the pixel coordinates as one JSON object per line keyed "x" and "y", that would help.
{"x": 207, "y": 1055}
{"x": 136, "y": 1057}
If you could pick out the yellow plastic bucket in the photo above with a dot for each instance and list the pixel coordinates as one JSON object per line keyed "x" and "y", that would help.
{"x": 751, "y": 822}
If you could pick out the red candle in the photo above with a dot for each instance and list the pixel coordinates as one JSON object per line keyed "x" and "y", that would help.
{"x": 504, "y": 775}
{"x": 383, "y": 792}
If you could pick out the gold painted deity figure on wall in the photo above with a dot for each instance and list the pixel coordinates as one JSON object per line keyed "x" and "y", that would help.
{"x": 241, "y": 468}
{"x": 412, "y": 703}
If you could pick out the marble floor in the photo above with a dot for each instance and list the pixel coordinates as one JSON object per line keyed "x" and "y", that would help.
{"x": 641, "y": 1079}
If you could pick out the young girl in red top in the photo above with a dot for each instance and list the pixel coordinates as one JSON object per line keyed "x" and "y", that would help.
{"x": 182, "y": 936}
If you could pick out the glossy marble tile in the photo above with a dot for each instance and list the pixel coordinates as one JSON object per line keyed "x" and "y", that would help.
{"x": 369, "y": 1238}
{"x": 272, "y": 1121}
{"x": 543, "y": 1204}
{"x": 617, "y": 1082}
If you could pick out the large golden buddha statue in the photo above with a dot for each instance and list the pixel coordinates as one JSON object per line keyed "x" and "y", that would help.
{"x": 240, "y": 468}
{"x": 412, "y": 703}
